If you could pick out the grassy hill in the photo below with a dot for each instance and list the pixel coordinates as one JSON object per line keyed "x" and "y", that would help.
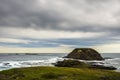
{"x": 58, "y": 73}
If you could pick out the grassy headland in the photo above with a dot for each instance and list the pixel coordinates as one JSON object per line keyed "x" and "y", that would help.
{"x": 58, "y": 73}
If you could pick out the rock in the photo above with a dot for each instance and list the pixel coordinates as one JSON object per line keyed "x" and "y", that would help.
{"x": 103, "y": 67}
{"x": 71, "y": 63}
{"x": 107, "y": 58}
{"x": 84, "y": 54}
{"x": 79, "y": 64}
{"x": 100, "y": 65}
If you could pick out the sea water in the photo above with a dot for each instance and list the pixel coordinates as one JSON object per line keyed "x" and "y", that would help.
{"x": 17, "y": 60}
{"x": 8, "y": 61}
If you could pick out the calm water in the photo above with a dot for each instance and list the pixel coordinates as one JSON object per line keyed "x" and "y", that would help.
{"x": 8, "y": 61}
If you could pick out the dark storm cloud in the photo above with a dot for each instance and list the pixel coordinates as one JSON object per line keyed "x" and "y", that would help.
{"x": 26, "y": 13}
{"x": 84, "y": 15}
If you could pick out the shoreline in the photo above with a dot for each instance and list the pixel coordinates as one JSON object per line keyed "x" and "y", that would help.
{"x": 32, "y": 64}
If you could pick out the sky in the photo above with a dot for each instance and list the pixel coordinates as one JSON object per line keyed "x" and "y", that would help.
{"x": 59, "y": 26}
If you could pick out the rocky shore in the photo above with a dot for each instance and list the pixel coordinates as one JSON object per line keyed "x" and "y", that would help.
{"x": 84, "y": 54}
{"x": 78, "y": 65}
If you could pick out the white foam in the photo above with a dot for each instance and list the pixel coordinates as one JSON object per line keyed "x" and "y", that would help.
{"x": 48, "y": 62}
{"x": 17, "y": 64}
{"x": 113, "y": 59}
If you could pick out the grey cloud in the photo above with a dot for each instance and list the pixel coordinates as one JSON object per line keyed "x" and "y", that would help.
{"x": 100, "y": 16}
{"x": 72, "y": 15}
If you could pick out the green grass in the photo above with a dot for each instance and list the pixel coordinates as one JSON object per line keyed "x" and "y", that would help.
{"x": 58, "y": 73}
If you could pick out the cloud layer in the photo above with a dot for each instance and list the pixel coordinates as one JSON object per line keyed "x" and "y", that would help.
{"x": 82, "y": 15}
{"x": 56, "y": 23}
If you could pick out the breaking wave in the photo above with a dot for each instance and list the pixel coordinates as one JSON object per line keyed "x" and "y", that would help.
{"x": 17, "y": 64}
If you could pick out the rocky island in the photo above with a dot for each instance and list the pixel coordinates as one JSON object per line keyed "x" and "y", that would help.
{"x": 85, "y": 54}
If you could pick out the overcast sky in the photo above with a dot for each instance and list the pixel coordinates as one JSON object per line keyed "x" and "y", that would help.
{"x": 65, "y": 24}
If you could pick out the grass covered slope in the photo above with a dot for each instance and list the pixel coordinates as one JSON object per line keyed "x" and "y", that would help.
{"x": 58, "y": 73}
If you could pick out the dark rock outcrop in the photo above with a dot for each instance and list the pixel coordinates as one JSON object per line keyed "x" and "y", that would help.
{"x": 103, "y": 67}
{"x": 84, "y": 54}
{"x": 79, "y": 64}
{"x": 71, "y": 63}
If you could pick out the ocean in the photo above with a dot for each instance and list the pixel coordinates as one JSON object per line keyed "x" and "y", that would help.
{"x": 17, "y": 60}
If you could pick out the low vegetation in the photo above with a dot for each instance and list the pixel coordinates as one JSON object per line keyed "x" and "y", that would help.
{"x": 58, "y": 73}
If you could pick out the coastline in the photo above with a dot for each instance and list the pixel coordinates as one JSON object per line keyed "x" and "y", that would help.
{"x": 21, "y": 60}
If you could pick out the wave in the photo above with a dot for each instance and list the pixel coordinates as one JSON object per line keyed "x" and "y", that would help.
{"x": 17, "y": 64}
{"x": 49, "y": 62}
